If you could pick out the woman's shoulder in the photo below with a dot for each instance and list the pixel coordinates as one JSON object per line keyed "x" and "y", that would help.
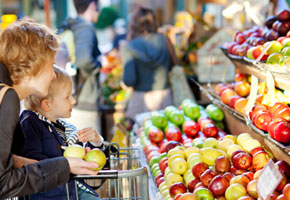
{"x": 10, "y": 100}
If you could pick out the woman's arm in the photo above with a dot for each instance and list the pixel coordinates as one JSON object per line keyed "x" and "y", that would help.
{"x": 19, "y": 161}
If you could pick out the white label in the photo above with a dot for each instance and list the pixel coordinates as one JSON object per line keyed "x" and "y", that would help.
{"x": 271, "y": 86}
{"x": 268, "y": 180}
{"x": 253, "y": 95}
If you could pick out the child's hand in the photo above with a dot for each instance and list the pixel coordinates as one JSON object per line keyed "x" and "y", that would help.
{"x": 89, "y": 135}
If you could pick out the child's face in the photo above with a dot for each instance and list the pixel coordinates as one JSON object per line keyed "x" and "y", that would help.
{"x": 62, "y": 103}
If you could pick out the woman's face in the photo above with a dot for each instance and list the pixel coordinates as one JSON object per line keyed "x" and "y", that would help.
{"x": 40, "y": 83}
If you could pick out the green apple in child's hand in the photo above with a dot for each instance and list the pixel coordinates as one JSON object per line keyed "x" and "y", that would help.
{"x": 74, "y": 151}
{"x": 97, "y": 156}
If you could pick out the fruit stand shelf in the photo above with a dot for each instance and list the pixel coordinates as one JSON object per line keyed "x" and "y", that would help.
{"x": 237, "y": 124}
{"x": 280, "y": 74}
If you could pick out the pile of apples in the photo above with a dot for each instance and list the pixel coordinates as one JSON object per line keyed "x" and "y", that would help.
{"x": 270, "y": 117}
{"x": 210, "y": 169}
{"x": 183, "y": 124}
{"x": 274, "y": 36}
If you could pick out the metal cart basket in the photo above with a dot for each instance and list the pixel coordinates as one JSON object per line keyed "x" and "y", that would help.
{"x": 125, "y": 178}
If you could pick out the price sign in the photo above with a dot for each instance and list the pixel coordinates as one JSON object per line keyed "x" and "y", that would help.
{"x": 253, "y": 94}
{"x": 268, "y": 180}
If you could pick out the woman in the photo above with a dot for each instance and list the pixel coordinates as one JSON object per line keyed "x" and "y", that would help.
{"x": 147, "y": 63}
{"x": 27, "y": 52}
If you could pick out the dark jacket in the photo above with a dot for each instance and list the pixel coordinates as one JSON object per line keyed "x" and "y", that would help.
{"x": 32, "y": 178}
{"x": 147, "y": 63}
{"x": 42, "y": 142}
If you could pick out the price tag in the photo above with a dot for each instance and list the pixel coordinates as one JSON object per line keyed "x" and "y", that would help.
{"x": 253, "y": 95}
{"x": 271, "y": 86}
{"x": 268, "y": 180}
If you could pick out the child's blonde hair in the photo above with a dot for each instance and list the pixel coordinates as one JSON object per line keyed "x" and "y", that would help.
{"x": 25, "y": 46}
{"x": 61, "y": 81}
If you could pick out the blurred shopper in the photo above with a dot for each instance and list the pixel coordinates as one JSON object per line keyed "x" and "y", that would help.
{"x": 27, "y": 52}
{"x": 147, "y": 64}
{"x": 121, "y": 33}
{"x": 87, "y": 60}
{"x": 45, "y": 132}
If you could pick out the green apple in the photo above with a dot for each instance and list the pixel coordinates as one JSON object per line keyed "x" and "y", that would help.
{"x": 274, "y": 58}
{"x": 163, "y": 155}
{"x": 156, "y": 173}
{"x": 286, "y": 42}
{"x": 191, "y": 109}
{"x": 153, "y": 160}
{"x": 159, "y": 119}
{"x": 74, "y": 151}
{"x": 197, "y": 142}
{"x": 210, "y": 142}
{"x": 250, "y": 53}
{"x": 97, "y": 156}
{"x": 154, "y": 166}
{"x": 214, "y": 112}
{"x": 176, "y": 117}
{"x": 204, "y": 194}
{"x": 274, "y": 47}
{"x": 286, "y": 51}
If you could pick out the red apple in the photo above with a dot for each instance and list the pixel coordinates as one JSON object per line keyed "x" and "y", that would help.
{"x": 235, "y": 153}
{"x": 171, "y": 145}
{"x": 245, "y": 198}
{"x": 242, "y": 160}
{"x": 159, "y": 181}
{"x": 241, "y": 179}
{"x": 261, "y": 119}
{"x": 255, "y": 150}
{"x": 177, "y": 197}
{"x": 286, "y": 191}
{"x": 274, "y": 195}
{"x": 191, "y": 185}
{"x": 188, "y": 196}
{"x": 198, "y": 169}
{"x": 210, "y": 130}
{"x": 155, "y": 134}
{"x": 199, "y": 185}
{"x": 257, "y": 174}
{"x": 190, "y": 128}
{"x": 228, "y": 176}
{"x": 207, "y": 176}
{"x": 284, "y": 15}
{"x": 283, "y": 113}
{"x": 163, "y": 166}
{"x": 240, "y": 77}
{"x": 242, "y": 88}
{"x": 281, "y": 132}
{"x": 259, "y": 160}
{"x": 222, "y": 164}
{"x": 250, "y": 175}
{"x": 173, "y": 133}
{"x": 177, "y": 188}
{"x": 162, "y": 146}
{"x": 283, "y": 167}
{"x": 233, "y": 100}
{"x": 281, "y": 197}
{"x": 218, "y": 185}
{"x": 252, "y": 189}
{"x": 276, "y": 106}
{"x": 226, "y": 95}
{"x": 282, "y": 183}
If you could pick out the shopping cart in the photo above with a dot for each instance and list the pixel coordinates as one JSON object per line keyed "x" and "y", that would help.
{"x": 126, "y": 178}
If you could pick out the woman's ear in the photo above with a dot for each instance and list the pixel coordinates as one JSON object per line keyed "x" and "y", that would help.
{"x": 45, "y": 105}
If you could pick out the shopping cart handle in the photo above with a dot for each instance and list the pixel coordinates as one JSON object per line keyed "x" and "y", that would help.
{"x": 108, "y": 174}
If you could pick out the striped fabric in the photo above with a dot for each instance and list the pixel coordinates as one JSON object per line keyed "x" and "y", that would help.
{"x": 69, "y": 136}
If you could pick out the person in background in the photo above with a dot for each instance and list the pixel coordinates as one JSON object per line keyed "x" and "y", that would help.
{"x": 45, "y": 132}
{"x": 27, "y": 53}
{"x": 147, "y": 63}
{"x": 121, "y": 33}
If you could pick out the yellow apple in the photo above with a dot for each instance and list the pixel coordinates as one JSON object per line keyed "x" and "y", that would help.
{"x": 165, "y": 193}
{"x": 193, "y": 162}
{"x": 233, "y": 137}
{"x": 210, "y": 142}
{"x": 172, "y": 158}
{"x": 242, "y": 137}
{"x": 174, "y": 151}
{"x": 97, "y": 156}
{"x": 173, "y": 178}
{"x": 224, "y": 144}
{"x": 167, "y": 171}
{"x": 179, "y": 166}
{"x": 192, "y": 156}
{"x": 190, "y": 150}
{"x": 74, "y": 151}
{"x": 232, "y": 148}
{"x": 188, "y": 178}
{"x": 162, "y": 186}
{"x": 250, "y": 144}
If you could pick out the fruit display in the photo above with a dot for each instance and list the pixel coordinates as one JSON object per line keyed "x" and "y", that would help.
{"x": 267, "y": 115}
{"x": 209, "y": 168}
{"x": 111, "y": 90}
{"x": 268, "y": 44}
{"x": 95, "y": 155}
